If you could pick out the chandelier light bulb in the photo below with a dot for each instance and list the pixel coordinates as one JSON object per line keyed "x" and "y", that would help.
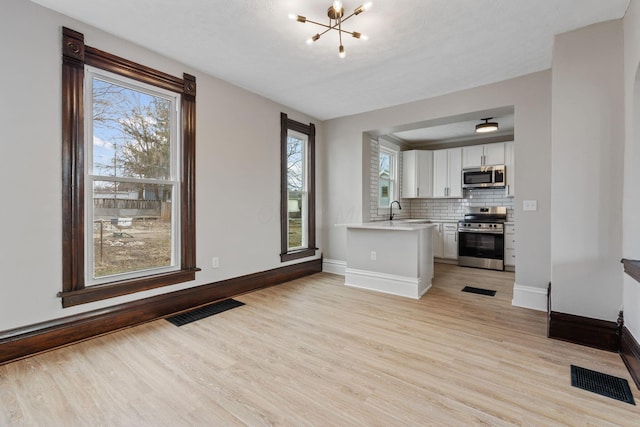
{"x": 337, "y": 6}
{"x": 341, "y": 52}
{"x": 313, "y": 39}
{"x": 293, "y": 16}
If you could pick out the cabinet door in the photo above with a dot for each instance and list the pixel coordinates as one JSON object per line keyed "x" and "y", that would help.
{"x": 437, "y": 240}
{"x": 455, "y": 172}
{"x": 440, "y": 173}
{"x": 450, "y": 247}
{"x": 416, "y": 173}
{"x": 425, "y": 174}
{"x": 510, "y": 245}
{"x": 472, "y": 156}
{"x": 494, "y": 154}
{"x": 409, "y": 171}
{"x": 509, "y": 162}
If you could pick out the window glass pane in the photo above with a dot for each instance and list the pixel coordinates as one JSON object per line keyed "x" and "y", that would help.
{"x": 131, "y": 132}
{"x": 384, "y": 181}
{"x": 296, "y": 186}
{"x": 131, "y": 227}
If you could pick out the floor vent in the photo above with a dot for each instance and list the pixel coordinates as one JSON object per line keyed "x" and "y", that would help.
{"x": 603, "y": 384}
{"x": 480, "y": 291}
{"x": 202, "y": 312}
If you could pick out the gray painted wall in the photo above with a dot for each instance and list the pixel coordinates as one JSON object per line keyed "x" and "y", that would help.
{"x": 587, "y": 173}
{"x": 631, "y": 202}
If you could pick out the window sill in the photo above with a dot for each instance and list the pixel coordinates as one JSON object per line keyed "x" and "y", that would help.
{"x": 302, "y": 253}
{"x": 125, "y": 287}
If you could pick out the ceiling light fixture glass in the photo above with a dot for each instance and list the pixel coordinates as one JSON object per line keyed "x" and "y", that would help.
{"x": 487, "y": 126}
{"x": 336, "y": 18}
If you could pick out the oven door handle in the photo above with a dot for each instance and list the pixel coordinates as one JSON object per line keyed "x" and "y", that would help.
{"x": 468, "y": 230}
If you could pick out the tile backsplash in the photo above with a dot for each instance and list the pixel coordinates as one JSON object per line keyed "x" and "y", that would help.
{"x": 451, "y": 209}
{"x": 454, "y": 209}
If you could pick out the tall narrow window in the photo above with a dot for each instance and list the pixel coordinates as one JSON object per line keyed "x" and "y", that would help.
{"x": 297, "y": 189}
{"x": 132, "y": 180}
{"x": 128, "y": 175}
{"x": 387, "y": 176}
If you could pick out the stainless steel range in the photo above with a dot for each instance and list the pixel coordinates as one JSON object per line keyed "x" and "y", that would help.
{"x": 481, "y": 238}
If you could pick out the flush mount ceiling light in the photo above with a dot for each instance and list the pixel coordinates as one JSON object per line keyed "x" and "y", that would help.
{"x": 487, "y": 126}
{"x": 336, "y": 18}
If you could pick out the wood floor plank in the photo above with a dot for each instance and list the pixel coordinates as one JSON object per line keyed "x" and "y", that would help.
{"x": 315, "y": 352}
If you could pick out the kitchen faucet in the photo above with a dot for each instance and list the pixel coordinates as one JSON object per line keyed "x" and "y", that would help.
{"x": 391, "y": 209}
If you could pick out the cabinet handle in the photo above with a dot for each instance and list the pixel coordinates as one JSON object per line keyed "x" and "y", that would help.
{"x": 417, "y": 191}
{"x": 455, "y": 237}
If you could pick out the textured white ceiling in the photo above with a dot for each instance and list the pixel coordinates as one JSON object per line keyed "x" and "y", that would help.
{"x": 416, "y": 49}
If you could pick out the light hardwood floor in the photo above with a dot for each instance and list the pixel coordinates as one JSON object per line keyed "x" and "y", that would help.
{"x": 314, "y": 352}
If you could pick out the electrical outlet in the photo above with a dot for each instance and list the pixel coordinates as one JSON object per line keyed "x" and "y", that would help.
{"x": 373, "y": 255}
{"x": 215, "y": 262}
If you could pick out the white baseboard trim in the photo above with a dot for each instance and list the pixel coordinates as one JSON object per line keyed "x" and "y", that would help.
{"x": 334, "y": 266}
{"x": 529, "y": 297}
{"x": 410, "y": 287}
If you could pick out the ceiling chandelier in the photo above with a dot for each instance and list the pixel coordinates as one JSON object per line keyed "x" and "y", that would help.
{"x": 487, "y": 126}
{"x": 336, "y": 18}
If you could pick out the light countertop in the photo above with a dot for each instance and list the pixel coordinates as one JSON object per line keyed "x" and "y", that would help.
{"x": 395, "y": 225}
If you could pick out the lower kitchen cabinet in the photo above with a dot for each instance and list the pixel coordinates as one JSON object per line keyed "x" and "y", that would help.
{"x": 509, "y": 246}
{"x": 450, "y": 238}
{"x": 438, "y": 242}
{"x": 445, "y": 240}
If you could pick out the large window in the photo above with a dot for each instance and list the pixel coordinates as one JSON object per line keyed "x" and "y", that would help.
{"x": 128, "y": 175}
{"x": 297, "y": 189}
{"x": 387, "y": 176}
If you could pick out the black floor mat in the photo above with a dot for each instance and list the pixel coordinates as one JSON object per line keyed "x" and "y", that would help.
{"x": 603, "y": 384}
{"x": 480, "y": 291}
{"x": 202, "y": 312}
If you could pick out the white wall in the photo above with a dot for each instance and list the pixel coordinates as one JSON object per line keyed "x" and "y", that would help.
{"x": 587, "y": 174}
{"x": 631, "y": 210}
{"x": 237, "y": 178}
{"x": 346, "y": 179}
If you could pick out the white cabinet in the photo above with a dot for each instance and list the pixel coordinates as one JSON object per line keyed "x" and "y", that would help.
{"x": 450, "y": 239}
{"x": 483, "y": 155}
{"x": 445, "y": 240}
{"x": 447, "y": 173}
{"x": 509, "y": 162}
{"x": 417, "y": 173}
{"x": 438, "y": 243}
{"x": 510, "y": 245}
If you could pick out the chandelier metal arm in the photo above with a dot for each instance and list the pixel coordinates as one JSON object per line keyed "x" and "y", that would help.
{"x": 330, "y": 27}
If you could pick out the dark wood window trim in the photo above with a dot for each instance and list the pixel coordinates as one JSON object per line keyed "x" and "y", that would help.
{"x": 75, "y": 55}
{"x": 310, "y": 131}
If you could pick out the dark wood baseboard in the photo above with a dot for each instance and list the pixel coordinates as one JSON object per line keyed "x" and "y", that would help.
{"x": 630, "y": 353}
{"x": 29, "y": 340}
{"x": 595, "y": 333}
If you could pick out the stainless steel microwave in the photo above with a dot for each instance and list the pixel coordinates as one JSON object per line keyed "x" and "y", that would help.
{"x": 484, "y": 177}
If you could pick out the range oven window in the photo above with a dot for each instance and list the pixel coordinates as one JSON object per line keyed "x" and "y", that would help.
{"x": 481, "y": 245}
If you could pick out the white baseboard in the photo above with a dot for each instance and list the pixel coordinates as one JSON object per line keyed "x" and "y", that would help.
{"x": 334, "y": 266}
{"x": 529, "y": 297}
{"x": 410, "y": 287}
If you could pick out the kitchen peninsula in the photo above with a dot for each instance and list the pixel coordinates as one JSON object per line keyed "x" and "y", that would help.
{"x": 395, "y": 257}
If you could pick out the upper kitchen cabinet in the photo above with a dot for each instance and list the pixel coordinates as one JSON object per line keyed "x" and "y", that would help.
{"x": 509, "y": 162}
{"x": 447, "y": 173}
{"x": 483, "y": 155}
{"x": 417, "y": 174}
